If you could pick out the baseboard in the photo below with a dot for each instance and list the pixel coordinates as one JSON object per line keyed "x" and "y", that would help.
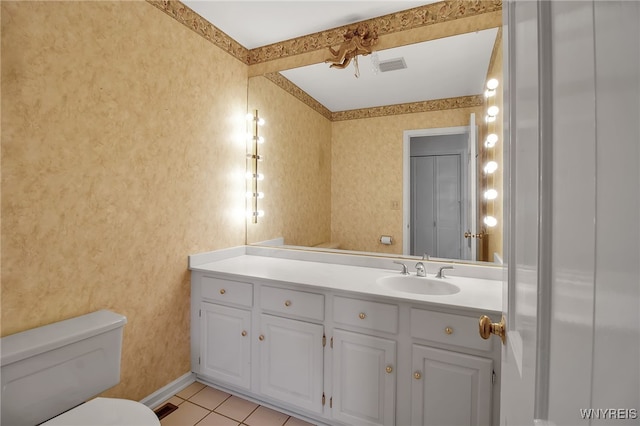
{"x": 155, "y": 399}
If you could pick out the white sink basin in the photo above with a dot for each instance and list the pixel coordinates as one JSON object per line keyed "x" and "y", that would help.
{"x": 417, "y": 285}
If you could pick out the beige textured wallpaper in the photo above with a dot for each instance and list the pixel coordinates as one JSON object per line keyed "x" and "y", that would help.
{"x": 296, "y": 166}
{"x": 366, "y": 184}
{"x": 122, "y": 153}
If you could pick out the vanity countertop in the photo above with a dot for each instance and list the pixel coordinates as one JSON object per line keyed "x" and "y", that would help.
{"x": 475, "y": 294}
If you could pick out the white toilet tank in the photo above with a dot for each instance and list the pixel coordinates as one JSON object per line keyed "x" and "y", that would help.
{"x": 51, "y": 369}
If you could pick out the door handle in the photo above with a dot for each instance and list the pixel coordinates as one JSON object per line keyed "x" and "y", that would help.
{"x": 487, "y": 328}
{"x": 478, "y": 236}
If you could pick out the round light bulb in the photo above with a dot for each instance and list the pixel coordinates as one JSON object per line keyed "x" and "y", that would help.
{"x": 491, "y": 140}
{"x": 492, "y": 84}
{"x": 490, "y": 167}
{"x": 261, "y": 122}
{"x": 491, "y": 194}
{"x": 490, "y": 221}
{"x": 493, "y": 111}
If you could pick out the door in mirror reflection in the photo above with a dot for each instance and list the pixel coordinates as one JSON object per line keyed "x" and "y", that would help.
{"x": 436, "y": 201}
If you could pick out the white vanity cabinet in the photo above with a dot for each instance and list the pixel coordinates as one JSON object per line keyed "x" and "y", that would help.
{"x": 225, "y": 322}
{"x": 364, "y": 362}
{"x": 292, "y": 350}
{"x": 449, "y": 387}
{"x": 343, "y": 358}
{"x": 364, "y": 385}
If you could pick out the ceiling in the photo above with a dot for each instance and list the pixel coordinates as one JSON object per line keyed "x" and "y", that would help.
{"x": 443, "y": 68}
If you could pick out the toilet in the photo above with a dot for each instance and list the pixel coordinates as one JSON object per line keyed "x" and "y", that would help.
{"x": 51, "y": 375}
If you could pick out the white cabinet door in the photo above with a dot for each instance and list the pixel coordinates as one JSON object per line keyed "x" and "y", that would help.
{"x": 450, "y": 388}
{"x": 225, "y": 344}
{"x": 291, "y": 361}
{"x": 364, "y": 379}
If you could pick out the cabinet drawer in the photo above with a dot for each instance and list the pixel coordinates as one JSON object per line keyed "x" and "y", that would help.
{"x": 447, "y": 328}
{"x": 366, "y": 314}
{"x": 293, "y": 302}
{"x": 227, "y": 291}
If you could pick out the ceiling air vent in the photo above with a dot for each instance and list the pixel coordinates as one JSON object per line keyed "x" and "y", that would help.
{"x": 392, "y": 65}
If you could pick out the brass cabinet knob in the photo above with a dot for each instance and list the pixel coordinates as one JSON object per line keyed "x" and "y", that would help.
{"x": 261, "y": 337}
{"x": 362, "y": 315}
{"x": 287, "y": 303}
{"x": 389, "y": 369}
{"x": 417, "y": 375}
{"x": 487, "y": 328}
{"x": 448, "y": 330}
{"x": 223, "y": 291}
{"x": 244, "y": 333}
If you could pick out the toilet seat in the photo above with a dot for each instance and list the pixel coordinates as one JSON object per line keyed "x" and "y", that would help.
{"x": 106, "y": 412}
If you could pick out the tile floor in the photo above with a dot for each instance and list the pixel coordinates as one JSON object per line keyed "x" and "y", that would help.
{"x": 202, "y": 405}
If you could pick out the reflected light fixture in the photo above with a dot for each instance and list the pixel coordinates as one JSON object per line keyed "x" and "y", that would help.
{"x": 492, "y": 85}
{"x": 253, "y": 158}
{"x": 491, "y": 140}
{"x": 491, "y": 194}
{"x": 490, "y": 167}
{"x": 492, "y": 113}
{"x": 490, "y": 221}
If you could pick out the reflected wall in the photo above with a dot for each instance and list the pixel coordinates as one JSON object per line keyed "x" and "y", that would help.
{"x": 296, "y": 168}
{"x": 367, "y": 175}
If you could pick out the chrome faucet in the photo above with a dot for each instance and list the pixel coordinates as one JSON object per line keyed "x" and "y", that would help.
{"x": 440, "y": 273}
{"x": 405, "y": 271}
{"x": 420, "y": 271}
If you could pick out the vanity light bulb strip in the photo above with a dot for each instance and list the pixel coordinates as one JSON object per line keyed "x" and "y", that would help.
{"x": 254, "y": 157}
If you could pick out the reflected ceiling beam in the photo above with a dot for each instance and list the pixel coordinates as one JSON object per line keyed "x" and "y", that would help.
{"x": 429, "y": 22}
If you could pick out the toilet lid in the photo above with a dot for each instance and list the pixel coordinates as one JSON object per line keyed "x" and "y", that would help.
{"x": 107, "y": 412}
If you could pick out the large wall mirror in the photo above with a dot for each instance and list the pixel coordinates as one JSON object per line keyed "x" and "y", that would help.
{"x": 394, "y": 155}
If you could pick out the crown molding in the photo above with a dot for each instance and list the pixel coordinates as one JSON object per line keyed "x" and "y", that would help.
{"x": 410, "y": 108}
{"x": 286, "y": 84}
{"x": 434, "y": 13}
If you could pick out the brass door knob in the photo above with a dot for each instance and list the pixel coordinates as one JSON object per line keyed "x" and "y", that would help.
{"x": 223, "y": 291}
{"x": 389, "y": 369}
{"x": 244, "y": 333}
{"x": 487, "y": 328}
{"x": 417, "y": 375}
{"x": 287, "y": 303}
{"x": 261, "y": 337}
{"x": 448, "y": 330}
{"x": 362, "y": 315}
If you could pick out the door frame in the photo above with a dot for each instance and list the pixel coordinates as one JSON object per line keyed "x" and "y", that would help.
{"x": 406, "y": 178}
